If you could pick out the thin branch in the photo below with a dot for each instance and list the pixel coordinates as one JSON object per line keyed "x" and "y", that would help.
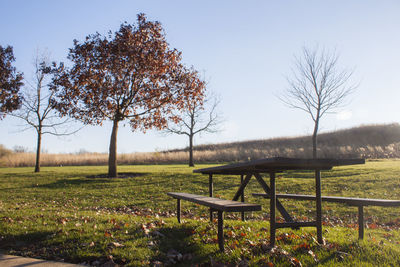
{"x": 317, "y": 87}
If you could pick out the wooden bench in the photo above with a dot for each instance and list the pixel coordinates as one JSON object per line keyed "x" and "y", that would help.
{"x": 351, "y": 201}
{"x": 216, "y": 204}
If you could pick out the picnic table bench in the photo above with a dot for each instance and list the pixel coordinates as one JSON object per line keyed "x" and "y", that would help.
{"x": 351, "y": 201}
{"x": 216, "y": 204}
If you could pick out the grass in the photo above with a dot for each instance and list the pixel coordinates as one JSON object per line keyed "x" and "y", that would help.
{"x": 70, "y": 214}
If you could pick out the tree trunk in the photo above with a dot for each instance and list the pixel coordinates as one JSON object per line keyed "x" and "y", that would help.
{"x": 38, "y": 148}
{"x": 191, "y": 163}
{"x": 112, "y": 154}
{"x": 314, "y": 138}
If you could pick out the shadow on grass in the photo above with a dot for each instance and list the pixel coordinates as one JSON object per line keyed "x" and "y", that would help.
{"x": 178, "y": 240}
{"x": 121, "y": 175}
{"x": 22, "y": 241}
{"x": 73, "y": 182}
{"x": 41, "y": 245}
{"x": 327, "y": 259}
{"x": 63, "y": 183}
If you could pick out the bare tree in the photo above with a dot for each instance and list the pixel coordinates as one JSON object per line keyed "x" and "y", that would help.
{"x": 317, "y": 86}
{"x": 197, "y": 118}
{"x": 37, "y": 110}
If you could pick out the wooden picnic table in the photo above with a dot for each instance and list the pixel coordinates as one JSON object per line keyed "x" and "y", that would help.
{"x": 272, "y": 166}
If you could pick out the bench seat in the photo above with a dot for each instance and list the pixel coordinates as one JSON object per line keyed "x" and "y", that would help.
{"x": 217, "y": 204}
{"x": 351, "y": 201}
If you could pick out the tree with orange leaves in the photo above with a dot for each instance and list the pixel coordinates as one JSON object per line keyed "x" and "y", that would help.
{"x": 129, "y": 75}
{"x": 10, "y": 82}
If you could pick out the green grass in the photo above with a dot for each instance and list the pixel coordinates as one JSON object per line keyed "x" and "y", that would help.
{"x": 62, "y": 213}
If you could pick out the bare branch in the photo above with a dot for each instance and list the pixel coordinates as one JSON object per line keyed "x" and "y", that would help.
{"x": 37, "y": 109}
{"x": 316, "y": 86}
{"x": 197, "y": 117}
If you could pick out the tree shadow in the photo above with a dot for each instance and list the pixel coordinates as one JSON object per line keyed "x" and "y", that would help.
{"x": 22, "y": 241}
{"x": 121, "y": 175}
{"x": 62, "y": 183}
{"x": 327, "y": 259}
{"x": 177, "y": 240}
{"x": 72, "y": 182}
{"x": 42, "y": 245}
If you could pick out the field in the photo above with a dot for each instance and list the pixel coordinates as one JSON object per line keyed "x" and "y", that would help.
{"x": 368, "y": 141}
{"x": 73, "y": 214}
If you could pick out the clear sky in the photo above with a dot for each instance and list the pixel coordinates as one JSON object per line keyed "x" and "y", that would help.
{"x": 245, "y": 49}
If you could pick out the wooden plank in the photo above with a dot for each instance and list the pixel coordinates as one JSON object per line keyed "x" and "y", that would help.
{"x": 221, "y": 231}
{"x": 272, "y": 219}
{"x": 360, "y": 222}
{"x": 276, "y": 164}
{"x": 216, "y": 203}
{"x": 242, "y": 195}
{"x": 288, "y": 196}
{"x": 295, "y": 224}
{"x": 347, "y": 200}
{"x": 211, "y": 192}
{"x": 178, "y": 210}
{"x": 210, "y": 185}
{"x": 363, "y": 201}
{"x": 318, "y": 205}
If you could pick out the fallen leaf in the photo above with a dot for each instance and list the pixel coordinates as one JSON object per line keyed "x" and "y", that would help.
{"x": 117, "y": 245}
{"x": 107, "y": 234}
{"x": 310, "y": 252}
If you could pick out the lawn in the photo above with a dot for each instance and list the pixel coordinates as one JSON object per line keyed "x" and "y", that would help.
{"x": 75, "y": 215}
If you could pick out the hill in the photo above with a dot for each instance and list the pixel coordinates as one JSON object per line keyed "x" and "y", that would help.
{"x": 370, "y": 142}
{"x": 367, "y": 141}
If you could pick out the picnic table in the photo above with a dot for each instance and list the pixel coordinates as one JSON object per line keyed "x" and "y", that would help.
{"x": 270, "y": 167}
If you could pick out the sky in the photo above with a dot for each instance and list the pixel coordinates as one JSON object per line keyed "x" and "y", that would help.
{"x": 244, "y": 49}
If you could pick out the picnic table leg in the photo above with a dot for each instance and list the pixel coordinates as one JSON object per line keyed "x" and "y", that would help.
{"x": 242, "y": 196}
{"x": 210, "y": 189}
{"x": 280, "y": 207}
{"x": 272, "y": 219}
{"x": 319, "y": 205}
{"x": 178, "y": 210}
{"x": 221, "y": 230}
{"x": 360, "y": 222}
{"x": 242, "y": 187}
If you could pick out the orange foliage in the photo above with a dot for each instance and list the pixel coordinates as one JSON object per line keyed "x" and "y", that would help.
{"x": 10, "y": 82}
{"x": 132, "y": 75}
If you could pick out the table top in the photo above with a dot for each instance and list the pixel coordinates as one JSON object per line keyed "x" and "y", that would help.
{"x": 278, "y": 164}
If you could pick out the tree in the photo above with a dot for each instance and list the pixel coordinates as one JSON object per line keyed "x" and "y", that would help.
{"x": 196, "y": 118}
{"x": 317, "y": 86}
{"x": 10, "y": 82}
{"x": 131, "y": 75}
{"x": 37, "y": 109}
